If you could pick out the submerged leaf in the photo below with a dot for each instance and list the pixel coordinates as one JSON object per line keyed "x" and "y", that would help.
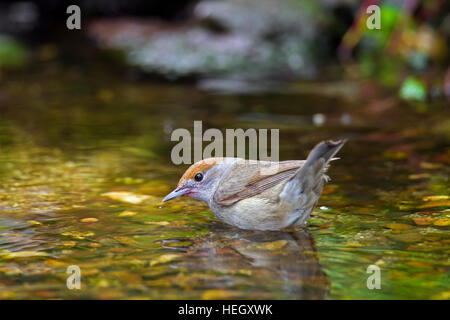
{"x": 219, "y": 294}
{"x": 89, "y": 220}
{"x": 442, "y": 222}
{"x": 437, "y": 203}
{"x": 78, "y": 234}
{"x": 165, "y": 258}
{"x": 69, "y": 243}
{"x": 353, "y": 244}
{"x": 127, "y": 197}
{"x": 157, "y": 223}
{"x": 423, "y": 221}
{"x": 24, "y": 254}
{"x": 407, "y": 237}
{"x": 418, "y": 176}
{"x": 127, "y": 214}
{"x": 275, "y": 245}
{"x": 430, "y": 166}
{"x": 435, "y": 198}
{"x": 125, "y": 240}
{"x": 399, "y": 226}
{"x": 441, "y": 296}
{"x": 36, "y": 223}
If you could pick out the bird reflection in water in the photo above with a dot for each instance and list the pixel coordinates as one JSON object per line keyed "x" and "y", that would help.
{"x": 262, "y": 264}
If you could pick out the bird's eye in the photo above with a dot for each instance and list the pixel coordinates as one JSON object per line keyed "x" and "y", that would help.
{"x": 198, "y": 177}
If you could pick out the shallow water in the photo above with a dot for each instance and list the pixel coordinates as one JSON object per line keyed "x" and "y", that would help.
{"x": 69, "y": 137}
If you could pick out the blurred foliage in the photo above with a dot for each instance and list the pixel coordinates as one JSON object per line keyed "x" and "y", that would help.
{"x": 413, "y": 89}
{"x": 409, "y": 42}
{"x": 12, "y": 53}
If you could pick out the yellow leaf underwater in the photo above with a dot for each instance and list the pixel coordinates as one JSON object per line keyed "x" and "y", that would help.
{"x": 125, "y": 240}
{"x": 442, "y": 222}
{"x": 418, "y": 176}
{"x": 353, "y": 244}
{"x": 430, "y": 165}
{"x": 127, "y": 197}
{"x": 165, "y": 258}
{"x": 89, "y": 220}
{"x": 435, "y": 198}
{"x": 217, "y": 294}
{"x": 78, "y": 234}
{"x": 36, "y": 223}
{"x": 127, "y": 214}
{"x": 441, "y": 296}
{"x": 399, "y": 226}
{"x": 275, "y": 245}
{"x": 407, "y": 237}
{"x": 423, "y": 221}
{"x": 157, "y": 223}
{"x": 24, "y": 254}
{"x": 436, "y": 203}
{"x": 69, "y": 243}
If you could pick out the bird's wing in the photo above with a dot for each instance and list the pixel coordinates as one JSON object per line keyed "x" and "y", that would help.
{"x": 240, "y": 185}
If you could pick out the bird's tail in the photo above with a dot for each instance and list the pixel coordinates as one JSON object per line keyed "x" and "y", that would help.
{"x": 324, "y": 150}
{"x": 309, "y": 176}
{"x": 305, "y": 187}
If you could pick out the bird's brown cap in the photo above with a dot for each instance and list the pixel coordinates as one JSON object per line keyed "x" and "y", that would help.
{"x": 200, "y": 166}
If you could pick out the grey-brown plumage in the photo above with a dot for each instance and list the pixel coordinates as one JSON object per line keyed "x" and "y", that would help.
{"x": 260, "y": 195}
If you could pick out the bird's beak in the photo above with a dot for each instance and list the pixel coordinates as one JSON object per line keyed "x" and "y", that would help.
{"x": 178, "y": 192}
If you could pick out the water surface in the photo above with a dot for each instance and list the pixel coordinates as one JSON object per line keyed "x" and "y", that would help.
{"x": 73, "y": 141}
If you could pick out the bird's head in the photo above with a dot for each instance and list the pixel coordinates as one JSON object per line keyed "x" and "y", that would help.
{"x": 200, "y": 180}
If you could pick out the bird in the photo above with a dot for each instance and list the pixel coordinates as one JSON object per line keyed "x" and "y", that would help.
{"x": 256, "y": 194}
